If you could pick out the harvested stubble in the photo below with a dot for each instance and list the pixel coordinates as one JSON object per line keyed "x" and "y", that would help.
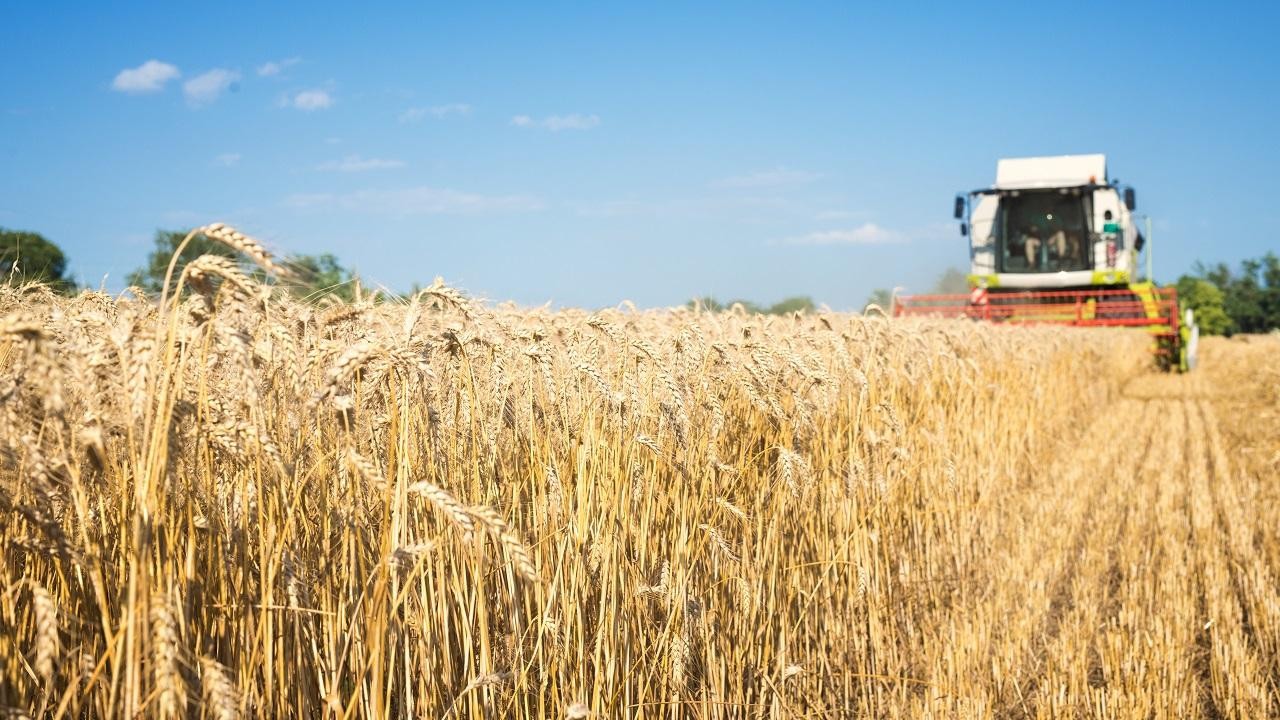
{"x": 243, "y": 506}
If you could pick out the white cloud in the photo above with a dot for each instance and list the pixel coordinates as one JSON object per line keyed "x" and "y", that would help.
{"x": 573, "y": 121}
{"x": 227, "y": 160}
{"x": 936, "y": 232}
{"x": 420, "y": 200}
{"x": 556, "y": 123}
{"x": 451, "y": 109}
{"x": 355, "y": 163}
{"x": 309, "y": 100}
{"x": 865, "y": 234}
{"x": 437, "y": 111}
{"x": 620, "y": 208}
{"x": 839, "y": 215}
{"x": 770, "y": 178}
{"x": 743, "y": 208}
{"x": 274, "y": 68}
{"x": 151, "y": 76}
{"x": 204, "y": 89}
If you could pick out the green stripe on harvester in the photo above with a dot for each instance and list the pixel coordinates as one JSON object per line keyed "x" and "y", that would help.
{"x": 1110, "y": 277}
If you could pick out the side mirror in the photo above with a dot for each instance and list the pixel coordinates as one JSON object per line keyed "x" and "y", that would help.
{"x": 1130, "y": 198}
{"x": 959, "y": 206}
{"x": 964, "y": 229}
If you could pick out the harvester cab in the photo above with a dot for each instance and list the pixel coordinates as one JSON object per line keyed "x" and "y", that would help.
{"x": 1053, "y": 222}
{"x": 1054, "y": 240}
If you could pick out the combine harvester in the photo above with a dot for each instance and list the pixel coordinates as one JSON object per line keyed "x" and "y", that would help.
{"x": 1054, "y": 241}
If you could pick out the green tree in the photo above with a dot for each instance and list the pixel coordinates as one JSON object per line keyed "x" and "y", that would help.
{"x": 880, "y": 297}
{"x": 709, "y": 303}
{"x": 320, "y": 275}
{"x": 29, "y": 257}
{"x": 951, "y": 282}
{"x": 786, "y": 306}
{"x": 1208, "y": 303}
{"x": 1250, "y": 297}
{"x": 150, "y": 277}
{"x": 312, "y": 276}
{"x": 1271, "y": 296}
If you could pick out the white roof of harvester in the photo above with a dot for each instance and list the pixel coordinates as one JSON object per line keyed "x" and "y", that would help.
{"x": 1048, "y": 172}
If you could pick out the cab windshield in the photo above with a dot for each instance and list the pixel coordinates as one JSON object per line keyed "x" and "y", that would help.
{"x": 1043, "y": 231}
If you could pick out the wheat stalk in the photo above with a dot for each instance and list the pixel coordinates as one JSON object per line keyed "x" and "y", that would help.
{"x": 510, "y": 542}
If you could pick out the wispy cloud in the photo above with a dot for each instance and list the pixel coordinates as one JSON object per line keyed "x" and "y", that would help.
{"x": 309, "y": 100}
{"x": 865, "y": 234}
{"x": 935, "y": 232}
{"x": 437, "y": 111}
{"x": 207, "y": 87}
{"x": 770, "y": 178}
{"x": 227, "y": 160}
{"x": 556, "y": 123}
{"x": 355, "y": 163}
{"x": 275, "y": 67}
{"x": 740, "y": 208}
{"x": 151, "y": 76}
{"x": 839, "y": 215}
{"x": 420, "y": 200}
{"x": 620, "y": 208}
{"x": 573, "y": 121}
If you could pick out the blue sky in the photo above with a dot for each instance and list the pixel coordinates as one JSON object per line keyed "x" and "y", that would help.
{"x": 587, "y": 154}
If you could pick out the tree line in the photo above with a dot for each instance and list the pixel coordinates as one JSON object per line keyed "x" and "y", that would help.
{"x": 30, "y": 257}
{"x": 786, "y": 306}
{"x": 1225, "y": 302}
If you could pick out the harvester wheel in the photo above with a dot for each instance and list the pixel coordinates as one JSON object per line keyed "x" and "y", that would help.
{"x": 1169, "y": 353}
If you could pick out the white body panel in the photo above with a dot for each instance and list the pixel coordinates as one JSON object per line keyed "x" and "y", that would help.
{"x": 1047, "y": 281}
{"x": 1051, "y": 172}
{"x": 982, "y": 220}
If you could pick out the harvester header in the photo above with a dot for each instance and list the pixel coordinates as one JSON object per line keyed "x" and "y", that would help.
{"x": 1054, "y": 240}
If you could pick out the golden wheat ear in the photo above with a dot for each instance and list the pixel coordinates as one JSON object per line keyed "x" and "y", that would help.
{"x": 247, "y": 246}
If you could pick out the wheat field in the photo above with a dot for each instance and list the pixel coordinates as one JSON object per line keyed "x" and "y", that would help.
{"x": 226, "y": 503}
